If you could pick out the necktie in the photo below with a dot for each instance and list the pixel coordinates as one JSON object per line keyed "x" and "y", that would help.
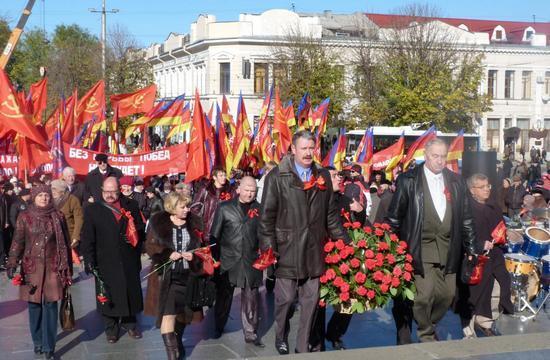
{"x": 304, "y": 176}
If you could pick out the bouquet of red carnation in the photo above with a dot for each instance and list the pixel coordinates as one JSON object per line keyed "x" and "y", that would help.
{"x": 367, "y": 273}
{"x": 102, "y": 296}
{"x": 19, "y": 280}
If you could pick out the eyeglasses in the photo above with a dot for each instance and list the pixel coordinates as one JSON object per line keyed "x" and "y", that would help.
{"x": 486, "y": 186}
{"x": 110, "y": 192}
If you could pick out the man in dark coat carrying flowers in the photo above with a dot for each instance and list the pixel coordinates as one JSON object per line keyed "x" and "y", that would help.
{"x": 111, "y": 246}
{"x": 298, "y": 213}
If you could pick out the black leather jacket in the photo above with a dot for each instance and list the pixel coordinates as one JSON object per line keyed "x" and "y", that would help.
{"x": 406, "y": 216}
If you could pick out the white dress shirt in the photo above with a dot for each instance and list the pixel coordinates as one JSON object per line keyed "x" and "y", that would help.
{"x": 436, "y": 186}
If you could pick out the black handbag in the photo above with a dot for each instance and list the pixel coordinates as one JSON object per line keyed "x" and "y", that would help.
{"x": 200, "y": 291}
{"x": 66, "y": 311}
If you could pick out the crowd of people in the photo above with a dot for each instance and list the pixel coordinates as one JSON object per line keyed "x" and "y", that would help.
{"x": 202, "y": 241}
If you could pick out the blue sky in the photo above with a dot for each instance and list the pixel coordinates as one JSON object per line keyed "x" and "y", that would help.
{"x": 152, "y": 20}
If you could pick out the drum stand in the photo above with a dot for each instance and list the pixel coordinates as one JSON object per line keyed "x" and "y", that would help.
{"x": 545, "y": 282}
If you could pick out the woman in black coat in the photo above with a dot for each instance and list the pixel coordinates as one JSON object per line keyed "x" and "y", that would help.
{"x": 171, "y": 235}
{"x": 486, "y": 217}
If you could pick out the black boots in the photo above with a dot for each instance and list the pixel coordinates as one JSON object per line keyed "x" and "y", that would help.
{"x": 171, "y": 345}
{"x": 179, "y": 327}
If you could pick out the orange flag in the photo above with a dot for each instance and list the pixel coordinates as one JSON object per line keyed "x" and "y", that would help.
{"x": 38, "y": 93}
{"x": 197, "y": 165}
{"x": 280, "y": 126}
{"x": 92, "y": 105}
{"x": 12, "y": 118}
{"x": 140, "y": 101}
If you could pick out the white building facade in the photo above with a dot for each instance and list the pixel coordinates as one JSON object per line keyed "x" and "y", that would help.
{"x": 230, "y": 58}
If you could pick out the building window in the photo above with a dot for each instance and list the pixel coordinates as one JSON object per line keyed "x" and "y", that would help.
{"x": 523, "y": 124}
{"x": 547, "y": 140}
{"x": 492, "y": 84}
{"x": 526, "y": 84}
{"x": 279, "y": 74}
{"x": 260, "y": 78}
{"x": 509, "y": 84}
{"x": 507, "y": 123}
{"x": 547, "y": 83}
{"x": 225, "y": 78}
{"x": 498, "y": 34}
{"x": 493, "y": 134}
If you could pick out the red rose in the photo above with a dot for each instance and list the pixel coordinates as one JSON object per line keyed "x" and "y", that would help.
{"x": 338, "y": 281}
{"x": 383, "y": 246}
{"x": 322, "y": 303}
{"x": 370, "y": 264}
{"x": 407, "y": 276}
{"x": 330, "y": 274}
{"x": 395, "y": 282}
{"x": 385, "y": 226}
{"x": 361, "y": 291}
{"x": 397, "y": 271}
{"x": 368, "y": 229}
{"x": 344, "y": 268}
{"x": 344, "y": 296}
{"x": 329, "y": 246}
{"x": 387, "y": 279}
{"x": 391, "y": 259}
{"x": 384, "y": 288}
{"x": 378, "y": 276}
{"x": 369, "y": 254}
{"x": 360, "y": 278}
{"x": 394, "y": 238}
{"x": 355, "y": 263}
{"x": 371, "y": 294}
{"x": 408, "y": 258}
{"x": 362, "y": 244}
{"x": 323, "y": 279}
{"x": 408, "y": 267}
{"x": 378, "y": 232}
{"x": 340, "y": 244}
{"x": 344, "y": 287}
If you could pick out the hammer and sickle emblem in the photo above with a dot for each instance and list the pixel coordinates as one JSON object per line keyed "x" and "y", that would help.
{"x": 92, "y": 105}
{"x": 138, "y": 101}
{"x": 10, "y": 109}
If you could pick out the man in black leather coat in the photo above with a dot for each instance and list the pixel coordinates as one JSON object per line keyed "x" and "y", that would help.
{"x": 430, "y": 210}
{"x": 234, "y": 231}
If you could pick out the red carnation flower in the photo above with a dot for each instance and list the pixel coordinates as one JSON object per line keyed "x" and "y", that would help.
{"x": 384, "y": 288}
{"x": 368, "y": 229}
{"x": 370, "y": 264}
{"x": 387, "y": 279}
{"x": 403, "y": 244}
{"x": 340, "y": 244}
{"x": 360, "y": 278}
{"x": 362, "y": 244}
{"x": 361, "y": 291}
{"x": 17, "y": 280}
{"x": 371, "y": 294}
{"x": 328, "y": 259}
{"x": 344, "y": 296}
{"x": 385, "y": 226}
{"x": 383, "y": 246}
{"x": 329, "y": 246}
{"x": 330, "y": 274}
{"x": 408, "y": 267}
{"x": 356, "y": 225}
{"x": 345, "y": 253}
{"x": 397, "y": 271}
{"x": 378, "y": 232}
{"x": 408, "y": 258}
{"x": 344, "y": 287}
{"x": 355, "y": 263}
{"x": 391, "y": 259}
{"x": 323, "y": 279}
{"x": 407, "y": 276}
{"x": 344, "y": 268}
{"x": 378, "y": 276}
{"x": 377, "y": 225}
{"x": 395, "y": 282}
{"x": 338, "y": 281}
{"x": 400, "y": 250}
{"x": 102, "y": 299}
{"x": 369, "y": 254}
{"x": 322, "y": 303}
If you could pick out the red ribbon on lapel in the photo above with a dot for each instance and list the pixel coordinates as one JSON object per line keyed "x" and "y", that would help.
{"x": 131, "y": 231}
{"x": 252, "y": 213}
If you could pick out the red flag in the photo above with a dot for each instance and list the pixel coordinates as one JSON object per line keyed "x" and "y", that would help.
{"x": 226, "y": 116}
{"x": 12, "y": 117}
{"x": 31, "y": 156}
{"x": 51, "y": 123}
{"x": 69, "y": 129}
{"x": 91, "y": 105}
{"x": 38, "y": 94}
{"x": 197, "y": 165}
{"x": 243, "y": 133}
{"x": 455, "y": 152}
{"x": 416, "y": 150}
{"x": 499, "y": 233}
{"x": 140, "y": 101}
{"x": 389, "y": 158}
{"x": 280, "y": 126}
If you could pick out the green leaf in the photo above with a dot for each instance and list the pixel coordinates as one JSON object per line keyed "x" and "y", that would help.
{"x": 323, "y": 292}
{"x": 393, "y": 291}
{"x": 408, "y": 294}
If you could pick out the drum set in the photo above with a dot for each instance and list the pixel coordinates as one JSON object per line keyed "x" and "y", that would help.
{"x": 528, "y": 262}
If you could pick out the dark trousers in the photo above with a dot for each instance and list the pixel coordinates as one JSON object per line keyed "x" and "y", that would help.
{"x": 43, "y": 325}
{"x": 249, "y": 306}
{"x": 113, "y": 323}
{"x": 403, "y": 316}
{"x": 308, "y": 297}
{"x": 336, "y": 328}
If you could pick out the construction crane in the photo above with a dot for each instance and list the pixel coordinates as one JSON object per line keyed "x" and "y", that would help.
{"x": 16, "y": 34}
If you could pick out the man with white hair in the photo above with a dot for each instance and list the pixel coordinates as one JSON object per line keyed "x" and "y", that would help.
{"x": 75, "y": 187}
{"x": 430, "y": 210}
{"x": 69, "y": 205}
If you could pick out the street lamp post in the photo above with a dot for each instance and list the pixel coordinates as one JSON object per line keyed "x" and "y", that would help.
{"x": 103, "y": 12}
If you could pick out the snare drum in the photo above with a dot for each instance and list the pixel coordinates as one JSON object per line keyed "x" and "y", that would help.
{"x": 532, "y": 287}
{"x": 515, "y": 241}
{"x": 536, "y": 242}
{"x": 545, "y": 266}
{"x": 519, "y": 264}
